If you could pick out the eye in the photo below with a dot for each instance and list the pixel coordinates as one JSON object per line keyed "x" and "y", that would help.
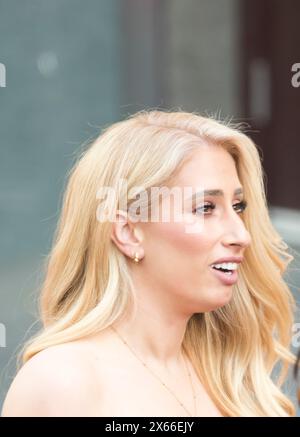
{"x": 240, "y": 207}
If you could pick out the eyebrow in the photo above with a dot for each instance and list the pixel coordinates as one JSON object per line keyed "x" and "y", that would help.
{"x": 214, "y": 192}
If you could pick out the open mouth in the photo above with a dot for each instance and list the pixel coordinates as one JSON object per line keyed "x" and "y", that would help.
{"x": 226, "y": 271}
{"x": 226, "y": 275}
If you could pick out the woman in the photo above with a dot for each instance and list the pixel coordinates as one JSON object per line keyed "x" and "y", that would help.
{"x": 150, "y": 317}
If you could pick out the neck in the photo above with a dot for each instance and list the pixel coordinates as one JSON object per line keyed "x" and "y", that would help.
{"x": 155, "y": 336}
{"x": 155, "y": 327}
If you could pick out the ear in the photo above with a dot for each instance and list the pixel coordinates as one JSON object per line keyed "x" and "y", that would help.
{"x": 127, "y": 236}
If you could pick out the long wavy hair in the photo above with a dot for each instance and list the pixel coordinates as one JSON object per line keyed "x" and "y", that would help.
{"x": 88, "y": 285}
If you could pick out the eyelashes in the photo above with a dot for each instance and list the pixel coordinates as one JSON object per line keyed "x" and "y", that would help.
{"x": 241, "y": 206}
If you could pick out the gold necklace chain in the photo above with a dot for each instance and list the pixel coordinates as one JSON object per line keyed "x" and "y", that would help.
{"x": 171, "y": 391}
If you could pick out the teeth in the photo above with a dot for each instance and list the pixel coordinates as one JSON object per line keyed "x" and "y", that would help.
{"x": 227, "y": 266}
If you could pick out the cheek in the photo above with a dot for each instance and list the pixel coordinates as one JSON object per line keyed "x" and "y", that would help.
{"x": 172, "y": 239}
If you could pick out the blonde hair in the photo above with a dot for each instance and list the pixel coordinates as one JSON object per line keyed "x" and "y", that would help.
{"x": 234, "y": 349}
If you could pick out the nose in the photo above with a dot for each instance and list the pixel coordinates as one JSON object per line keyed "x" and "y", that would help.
{"x": 236, "y": 233}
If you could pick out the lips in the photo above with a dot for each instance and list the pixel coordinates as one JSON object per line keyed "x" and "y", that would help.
{"x": 229, "y": 259}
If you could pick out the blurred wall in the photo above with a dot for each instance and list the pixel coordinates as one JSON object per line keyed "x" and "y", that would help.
{"x": 62, "y": 62}
{"x": 202, "y": 56}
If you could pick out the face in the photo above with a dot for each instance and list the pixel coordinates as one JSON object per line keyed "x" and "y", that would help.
{"x": 178, "y": 262}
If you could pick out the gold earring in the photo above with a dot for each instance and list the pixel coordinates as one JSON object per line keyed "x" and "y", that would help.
{"x": 136, "y": 257}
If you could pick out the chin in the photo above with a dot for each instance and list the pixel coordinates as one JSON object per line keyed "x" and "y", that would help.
{"x": 220, "y": 298}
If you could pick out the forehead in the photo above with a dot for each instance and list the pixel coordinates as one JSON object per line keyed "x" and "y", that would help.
{"x": 210, "y": 166}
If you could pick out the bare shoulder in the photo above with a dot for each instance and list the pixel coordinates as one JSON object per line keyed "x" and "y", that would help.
{"x": 58, "y": 381}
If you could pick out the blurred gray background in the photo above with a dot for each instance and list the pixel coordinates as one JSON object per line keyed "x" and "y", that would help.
{"x": 72, "y": 67}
